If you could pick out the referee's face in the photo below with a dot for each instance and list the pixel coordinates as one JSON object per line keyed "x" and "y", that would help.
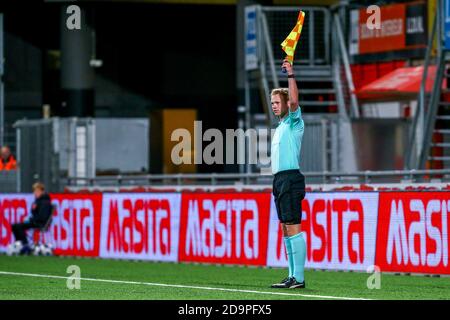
{"x": 279, "y": 107}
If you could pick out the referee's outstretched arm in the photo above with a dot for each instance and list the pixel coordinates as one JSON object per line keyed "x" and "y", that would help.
{"x": 293, "y": 90}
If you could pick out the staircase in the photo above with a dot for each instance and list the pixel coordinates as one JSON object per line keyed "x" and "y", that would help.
{"x": 439, "y": 155}
{"x": 434, "y": 144}
{"x": 316, "y": 89}
{"x": 317, "y": 94}
{"x": 322, "y": 71}
{"x": 317, "y": 98}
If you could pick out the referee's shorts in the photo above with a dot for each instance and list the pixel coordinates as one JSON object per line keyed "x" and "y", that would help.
{"x": 289, "y": 191}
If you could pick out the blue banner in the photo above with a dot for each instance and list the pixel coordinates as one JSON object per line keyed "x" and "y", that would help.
{"x": 447, "y": 24}
{"x": 251, "y": 54}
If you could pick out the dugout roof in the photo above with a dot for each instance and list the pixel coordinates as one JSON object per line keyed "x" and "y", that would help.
{"x": 400, "y": 84}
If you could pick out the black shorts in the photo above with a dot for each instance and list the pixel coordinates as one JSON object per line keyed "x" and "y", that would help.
{"x": 289, "y": 191}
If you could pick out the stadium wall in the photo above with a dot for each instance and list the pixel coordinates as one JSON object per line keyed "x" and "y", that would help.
{"x": 405, "y": 232}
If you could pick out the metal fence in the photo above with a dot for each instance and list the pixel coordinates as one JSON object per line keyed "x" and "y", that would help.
{"x": 8, "y": 181}
{"x": 35, "y": 154}
{"x": 343, "y": 79}
{"x": 49, "y": 149}
{"x": 314, "y": 44}
{"x": 52, "y": 149}
{"x": 320, "y": 143}
{"x": 10, "y": 137}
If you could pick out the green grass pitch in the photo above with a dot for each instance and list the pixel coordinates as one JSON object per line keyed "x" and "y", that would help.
{"x": 151, "y": 280}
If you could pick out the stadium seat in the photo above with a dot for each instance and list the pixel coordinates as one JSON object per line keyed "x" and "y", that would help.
{"x": 365, "y": 187}
{"x": 38, "y": 236}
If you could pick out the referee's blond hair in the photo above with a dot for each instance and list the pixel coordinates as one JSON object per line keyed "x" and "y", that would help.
{"x": 282, "y": 92}
{"x": 38, "y": 185}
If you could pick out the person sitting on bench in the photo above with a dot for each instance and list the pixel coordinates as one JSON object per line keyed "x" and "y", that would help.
{"x": 41, "y": 211}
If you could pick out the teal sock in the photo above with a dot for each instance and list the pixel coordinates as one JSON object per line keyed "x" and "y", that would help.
{"x": 298, "y": 246}
{"x": 287, "y": 244}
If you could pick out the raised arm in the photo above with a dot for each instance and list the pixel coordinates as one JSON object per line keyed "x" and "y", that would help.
{"x": 293, "y": 90}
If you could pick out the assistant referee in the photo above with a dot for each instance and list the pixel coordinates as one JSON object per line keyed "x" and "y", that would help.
{"x": 289, "y": 182}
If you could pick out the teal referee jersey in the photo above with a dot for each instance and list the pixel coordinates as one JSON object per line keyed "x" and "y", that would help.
{"x": 287, "y": 142}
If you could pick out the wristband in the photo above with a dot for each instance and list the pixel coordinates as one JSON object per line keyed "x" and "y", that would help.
{"x": 291, "y": 76}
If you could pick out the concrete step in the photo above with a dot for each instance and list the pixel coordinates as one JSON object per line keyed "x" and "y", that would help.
{"x": 259, "y": 117}
{"x": 440, "y": 144}
{"x": 442, "y": 131}
{"x": 302, "y": 70}
{"x": 317, "y": 103}
{"x": 316, "y": 91}
{"x": 445, "y": 159}
{"x": 284, "y": 79}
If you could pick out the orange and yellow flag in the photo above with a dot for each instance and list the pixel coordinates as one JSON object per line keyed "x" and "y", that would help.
{"x": 290, "y": 43}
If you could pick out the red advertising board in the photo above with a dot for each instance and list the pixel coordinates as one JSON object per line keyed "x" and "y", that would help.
{"x": 396, "y": 231}
{"x": 412, "y": 232}
{"x": 75, "y": 228}
{"x": 393, "y": 31}
{"x": 13, "y": 209}
{"x": 339, "y": 230}
{"x": 391, "y": 35}
{"x": 224, "y": 228}
{"x": 141, "y": 226}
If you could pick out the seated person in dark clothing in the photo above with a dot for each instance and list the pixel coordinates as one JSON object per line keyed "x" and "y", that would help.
{"x": 40, "y": 213}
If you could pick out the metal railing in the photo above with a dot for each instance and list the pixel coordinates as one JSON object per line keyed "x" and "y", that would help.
{"x": 267, "y": 58}
{"x": 431, "y": 111}
{"x": 233, "y": 179}
{"x": 416, "y": 127}
{"x": 424, "y": 121}
{"x": 342, "y": 73}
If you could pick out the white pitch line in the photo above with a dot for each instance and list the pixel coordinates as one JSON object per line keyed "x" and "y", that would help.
{"x": 178, "y": 286}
